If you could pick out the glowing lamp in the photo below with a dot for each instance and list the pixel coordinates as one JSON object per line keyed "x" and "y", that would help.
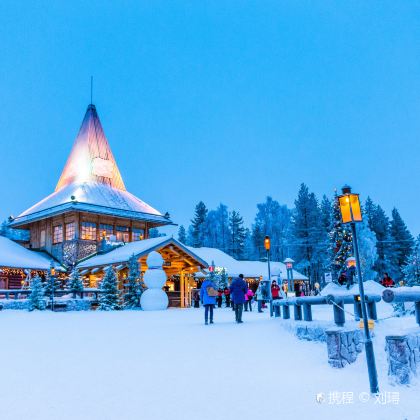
{"x": 52, "y": 270}
{"x": 349, "y": 206}
{"x": 351, "y": 262}
{"x": 267, "y": 243}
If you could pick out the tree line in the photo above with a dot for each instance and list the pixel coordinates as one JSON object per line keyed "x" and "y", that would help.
{"x": 312, "y": 234}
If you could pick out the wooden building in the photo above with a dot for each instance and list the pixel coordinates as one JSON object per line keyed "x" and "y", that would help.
{"x": 90, "y": 210}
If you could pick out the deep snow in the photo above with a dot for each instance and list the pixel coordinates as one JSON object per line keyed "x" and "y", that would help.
{"x": 168, "y": 365}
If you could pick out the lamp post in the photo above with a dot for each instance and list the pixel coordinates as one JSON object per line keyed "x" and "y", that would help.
{"x": 52, "y": 279}
{"x": 351, "y": 213}
{"x": 267, "y": 246}
{"x": 289, "y": 267}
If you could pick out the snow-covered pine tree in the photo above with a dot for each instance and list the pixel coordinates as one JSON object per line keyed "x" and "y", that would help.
{"x": 412, "y": 269}
{"x": 237, "y": 235}
{"x": 48, "y": 283}
{"x": 37, "y": 296}
{"x": 223, "y": 279}
{"x": 380, "y": 226}
{"x": 133, "y": 286}
{"x": 75, "y": 283}
{"x": 198, "y": 225}
{"x": 341, "y": 242}
{"x": 309, "y": 240}
{"x": 400, "y": 246}
{"x": 110, "y": 296}
{"x": 182, "y": 235}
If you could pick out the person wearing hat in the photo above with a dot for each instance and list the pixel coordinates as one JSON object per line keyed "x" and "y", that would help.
{"x": 238, "y": 289}
{"x": 208, "y": 299}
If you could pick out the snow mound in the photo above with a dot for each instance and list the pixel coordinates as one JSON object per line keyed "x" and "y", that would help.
{"x": 371, "y": 288}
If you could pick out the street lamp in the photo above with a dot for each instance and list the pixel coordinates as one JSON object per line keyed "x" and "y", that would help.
{"x": 267, "y": 246}
{"x": 52, "y": 280}
{"x": 289, "y": 267}
{"x": 351, "y": 213}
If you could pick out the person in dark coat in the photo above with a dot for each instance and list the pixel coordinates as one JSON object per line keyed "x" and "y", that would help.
{"x": 207, "y": 301}
{"x": 238, "y": 289}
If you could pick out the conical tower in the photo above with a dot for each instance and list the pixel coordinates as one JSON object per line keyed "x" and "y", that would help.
{"x": 91, "y": 158}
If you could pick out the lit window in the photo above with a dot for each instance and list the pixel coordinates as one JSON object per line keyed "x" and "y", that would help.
{"x": 89, "y": 231}
{"x": 123, "y": 234}
{"x": 42, "y": 239}
{"x": 138, "y": 234}
{"x": 70, "y": 231}
{"x": 58, "y": 234}
{"x": 106, "y": 230}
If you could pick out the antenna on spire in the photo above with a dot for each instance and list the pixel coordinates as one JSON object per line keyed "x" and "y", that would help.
{"x": 91, "y": 89}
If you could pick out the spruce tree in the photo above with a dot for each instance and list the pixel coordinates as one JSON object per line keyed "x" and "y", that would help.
{"x": 400, "y": 245}
{"x": 238, "y": 234}
{"x": 182, "y": 235}
{"x": 109, "y": 296}
{"x": 380, "y": 226}
{"x": 223, "y": 279}
{"x": 48, "y": 282}
{"x": 75, "y": 282}
{"x": 37, "y": 296}
{"x": 412, "y": 269}
{"x": 198, "y": 225}
{"x": 341, "y": 240}
{"x": 133, "y": 289}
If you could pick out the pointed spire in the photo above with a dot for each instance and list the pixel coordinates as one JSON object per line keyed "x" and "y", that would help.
{"x": 91, "y": 158}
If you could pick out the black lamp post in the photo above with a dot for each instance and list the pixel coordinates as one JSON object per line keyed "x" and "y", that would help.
{"x": 351, "y": 213}
{"x": 52, "y": 280}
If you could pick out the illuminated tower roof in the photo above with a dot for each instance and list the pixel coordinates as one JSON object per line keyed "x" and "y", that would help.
{"x": 91, "y": 159}
{"x": 91, "y": 182}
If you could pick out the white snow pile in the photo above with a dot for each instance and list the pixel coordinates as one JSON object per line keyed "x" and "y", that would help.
{"x": 371, "y": 287}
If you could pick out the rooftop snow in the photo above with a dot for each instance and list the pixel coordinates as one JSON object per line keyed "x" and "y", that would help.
{"x": 138, "y": 248}
{"x": 13, "y": 255}
{"x": 247, "y": 268}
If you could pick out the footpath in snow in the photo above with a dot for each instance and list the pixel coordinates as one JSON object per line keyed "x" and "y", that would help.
{"x": 168, "y": 365}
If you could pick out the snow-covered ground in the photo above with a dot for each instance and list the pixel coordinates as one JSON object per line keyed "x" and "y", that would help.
{"x": 168, "y": 365}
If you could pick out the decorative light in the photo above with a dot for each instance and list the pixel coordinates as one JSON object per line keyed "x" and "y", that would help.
{"x": 349, "y": 206}
{"x": 267, "y": 243}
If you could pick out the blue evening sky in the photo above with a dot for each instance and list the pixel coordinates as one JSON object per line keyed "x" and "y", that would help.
{"x": 220, "y": 101}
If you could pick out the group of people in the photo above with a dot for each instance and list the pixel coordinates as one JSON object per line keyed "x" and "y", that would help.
{"x": 237, "y": 292}
{"x": 239, "y": 295}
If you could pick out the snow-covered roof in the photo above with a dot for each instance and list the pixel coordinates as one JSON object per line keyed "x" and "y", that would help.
{"x": 91, "y": 197}
{"x": 139, "y": 248}
{"x": 13, "y": 255}
{"x": 247, "y": 268}
{"x": 91, "y": 182}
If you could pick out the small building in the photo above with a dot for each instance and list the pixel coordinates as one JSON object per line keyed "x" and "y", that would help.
{"x": 17, "y": 264}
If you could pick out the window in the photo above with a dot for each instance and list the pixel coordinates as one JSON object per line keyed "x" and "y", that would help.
{"x": 42, "y": 239}
{"x": 138, "y": 234}
{"x": 106, "y": 230}
{"x": 70, "y": 231}
{"x": 89, "y": 231}
{"x": 123, "y": 234}
{"x": 58, "y": 234}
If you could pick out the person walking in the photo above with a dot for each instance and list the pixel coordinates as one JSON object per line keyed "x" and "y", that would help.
{"x": 238, "y": 289}
{"x": 248, "y": 299}
{"x": 259, "y": 296}
{"x": 226, "y": 292}
{"x": 208, "y": 293}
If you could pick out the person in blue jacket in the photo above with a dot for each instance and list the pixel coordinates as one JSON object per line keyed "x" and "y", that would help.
{"x": 238, "y": 289}
{"x": 207, "y": 301}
